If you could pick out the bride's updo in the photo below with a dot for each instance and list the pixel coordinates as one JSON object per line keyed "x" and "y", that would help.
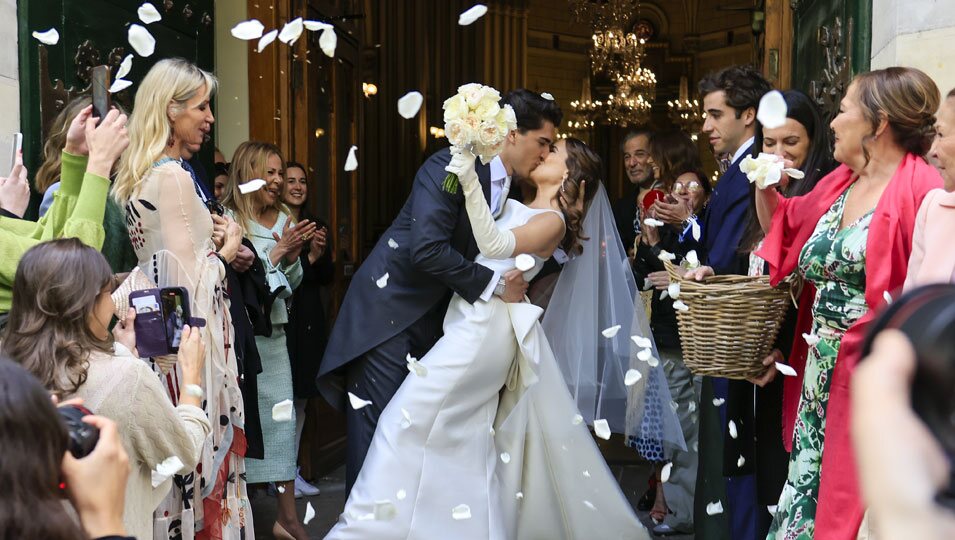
{"x": 583, "y": 164}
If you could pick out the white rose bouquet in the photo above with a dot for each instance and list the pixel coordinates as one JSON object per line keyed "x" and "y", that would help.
{"x": 475, "y": 121}
{"x": 766, "y": 170}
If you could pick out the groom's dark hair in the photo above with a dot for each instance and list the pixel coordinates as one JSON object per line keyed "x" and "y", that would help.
{"x": 532, "y": 109}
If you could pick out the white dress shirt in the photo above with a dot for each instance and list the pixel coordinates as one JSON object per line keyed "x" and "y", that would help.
{"x": 742, "y": 149}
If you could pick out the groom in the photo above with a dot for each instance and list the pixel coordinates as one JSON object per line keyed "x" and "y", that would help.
{"x": 397, "y": 299}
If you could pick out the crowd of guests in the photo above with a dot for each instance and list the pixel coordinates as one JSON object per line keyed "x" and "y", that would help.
{"x": 126, "y": 206}
{"x": 858, "y": 227}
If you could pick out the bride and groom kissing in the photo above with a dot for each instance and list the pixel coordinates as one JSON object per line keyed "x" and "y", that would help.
{"x": 480, "y": 438}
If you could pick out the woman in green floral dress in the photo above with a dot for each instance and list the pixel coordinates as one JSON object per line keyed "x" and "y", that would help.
{"x": 834, "y": 261}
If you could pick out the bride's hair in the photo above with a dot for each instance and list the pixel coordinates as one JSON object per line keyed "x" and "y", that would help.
{"x": 583, "y": 164}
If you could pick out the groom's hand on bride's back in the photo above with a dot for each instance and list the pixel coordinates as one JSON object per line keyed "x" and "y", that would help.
{"x": 514, "y": 286}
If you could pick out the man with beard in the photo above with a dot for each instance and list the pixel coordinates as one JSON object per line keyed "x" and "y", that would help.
{"x": 636, "y": 163}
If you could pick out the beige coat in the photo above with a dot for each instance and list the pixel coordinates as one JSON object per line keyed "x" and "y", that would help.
{"x": 933, "y": 250}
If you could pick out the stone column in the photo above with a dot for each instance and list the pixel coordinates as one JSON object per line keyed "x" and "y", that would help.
{"x": 915, "y": 33}
{"x": 9, "y": 72}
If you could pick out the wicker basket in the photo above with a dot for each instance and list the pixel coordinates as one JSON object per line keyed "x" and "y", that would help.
{"x": 731, "y": 324}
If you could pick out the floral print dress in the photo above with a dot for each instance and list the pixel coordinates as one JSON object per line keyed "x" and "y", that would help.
{"x": 834, "y": 261}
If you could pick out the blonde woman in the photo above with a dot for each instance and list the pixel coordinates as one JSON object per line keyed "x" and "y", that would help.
{"x": 278, "y": 243}
{"x": 171, "y": 231}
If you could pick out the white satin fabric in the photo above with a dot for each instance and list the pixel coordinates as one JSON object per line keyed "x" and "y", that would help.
{"x": 486, "y": 445}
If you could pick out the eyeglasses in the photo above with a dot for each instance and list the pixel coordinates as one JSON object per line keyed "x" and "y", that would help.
{"x": 692, "y": 186}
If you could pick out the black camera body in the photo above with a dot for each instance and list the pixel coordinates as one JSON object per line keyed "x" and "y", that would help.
{"x": 82, "y": 436}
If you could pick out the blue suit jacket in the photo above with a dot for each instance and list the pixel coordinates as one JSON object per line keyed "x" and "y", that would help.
{"x": 434, "y": 258}
{"x": 726, "y": 219}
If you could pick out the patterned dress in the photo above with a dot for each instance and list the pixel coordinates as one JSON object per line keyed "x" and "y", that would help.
{"x": 834, "y": 261}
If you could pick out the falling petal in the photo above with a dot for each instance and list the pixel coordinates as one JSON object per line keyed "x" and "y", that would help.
{"x": 645, "y": 354}
{"x": 314, "y": 26}
{"x": 602, "y": 429}
{"x": 772, "y": 509}
{"x": 665, "y": 472}
{"x": 291, "y": 31}
{"x": 525, "y": 262}
{"x": 410, "y": 104}
{"x": 505, "y": 458}
{"x": 590, "y": 505}
{"x": 265, "y": 40}
{"x": 547, "y": 96}
{"x": 578, "y": 419}
{"x": 519, "y": 495}
{"x": 148, "y": 13}
{"x": 647, "y": 284}
{"x": 309, "y": 513}
{"x": 385, "y": 510}
{"x": 611, "y": 332}
{"x": 492, "y": 431}
{"x": 675, "y": 406}
{"x": 472, "y": 14}
{"x": 692, "y": 258}
{"x": 795, "y": 174}
{"x": 666, "y": 255}
{"x": 691, "y": 406}
{"x": 281, "y": 489}
{"x": 415, "y": 367}
{"x": 680, "y": 306}
{"x": 674, "y": 290}
{"x": 653, "y": 361}
{"x": 772, "y": 110}
{"x": 119, "y": 85}
{"x": 356, "y": 402}
{"x": 125, "y": 66}
{"x": 785, "y": 369}
{"x": 248, "y": 30}
{"x": 405, "y": 419}
{"x": 664, "y": 295}
{"x": 461, "y": 511}
{"x": 696, "y": 446}
{"x": 50, "y": 37}
{"x": 740, "y": 462}
{"x": 401, "y": 494}
{"x": 632, "y": 377}
{"x": 641, "y": 341}
{"x": 732, "y": 429}
{"x": 811, "y": 339}
{"x": 714, "y": 508}
{"x": 251, "y": 186}
{"x": 887, "y": 297}
{"x": 392, "y": 244}
{"x": 382, "y": 282}
{"x": 141, "y": 40}
{"x": 650, "y": 222}
{"x": 328, "y": 41}
{"x": 695, "y": 228}
{"x": 168, "y": 467}
{"x": 282, "y": 411}
{"x": 718, "y": 401}
{"x": 586, "y": 474}
{"x": 351, "y": 162}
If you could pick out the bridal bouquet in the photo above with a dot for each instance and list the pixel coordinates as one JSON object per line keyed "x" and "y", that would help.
{"x": 766, "y": 170}
{"x": 475, "y": 121}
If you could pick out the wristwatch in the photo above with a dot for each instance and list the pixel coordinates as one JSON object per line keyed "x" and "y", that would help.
{"x": 499, "y": 288}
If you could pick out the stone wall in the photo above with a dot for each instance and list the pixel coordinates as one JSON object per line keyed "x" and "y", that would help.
{"x": 915, "y": 33}
{"x": 9, "y": 71}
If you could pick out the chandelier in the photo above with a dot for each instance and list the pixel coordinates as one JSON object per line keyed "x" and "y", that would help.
{"x": 627, "y": 108}
{"x": 586, "y": 111}
{"x": 686, "y": 114}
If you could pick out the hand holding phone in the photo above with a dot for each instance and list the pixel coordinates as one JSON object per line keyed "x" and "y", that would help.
{"x": 99, "y": 78}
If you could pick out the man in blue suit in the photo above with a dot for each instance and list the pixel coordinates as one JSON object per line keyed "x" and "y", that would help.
{"x": 397, "y": 300}
{"x": 730, "y": 99}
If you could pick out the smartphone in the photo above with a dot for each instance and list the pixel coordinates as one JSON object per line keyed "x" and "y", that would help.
{"x": 175, "y": 314}
{"x": 99, "y": 77}
{"x": 15, "y": 148}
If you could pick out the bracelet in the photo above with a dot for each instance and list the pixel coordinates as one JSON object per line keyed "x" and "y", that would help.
{"x": 194, "y": 390}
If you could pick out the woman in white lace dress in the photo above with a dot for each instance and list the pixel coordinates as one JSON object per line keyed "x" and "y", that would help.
{"x": 172, "y": 232}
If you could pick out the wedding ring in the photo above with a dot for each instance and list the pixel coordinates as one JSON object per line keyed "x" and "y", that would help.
{"x": 306, "y": 237}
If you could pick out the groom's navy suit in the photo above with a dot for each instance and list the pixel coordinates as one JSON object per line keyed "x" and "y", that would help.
{"x": 377, "y": 327}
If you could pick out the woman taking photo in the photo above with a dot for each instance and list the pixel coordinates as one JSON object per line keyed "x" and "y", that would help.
{"x": 278, "y": 243}
{"x": 172, "y": 232}
{"x": 58, "y": 330}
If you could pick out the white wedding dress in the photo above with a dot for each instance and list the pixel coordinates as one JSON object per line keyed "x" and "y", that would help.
{"x": 487, "y": 444}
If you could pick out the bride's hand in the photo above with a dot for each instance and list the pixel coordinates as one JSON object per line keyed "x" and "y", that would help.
{"x": 462, "y": 165}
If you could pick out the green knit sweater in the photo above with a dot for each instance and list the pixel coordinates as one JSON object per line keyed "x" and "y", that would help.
{"x": 77, "y": 211}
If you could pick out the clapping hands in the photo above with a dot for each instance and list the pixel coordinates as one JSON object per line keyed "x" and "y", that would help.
{"x": 289, "y": 245}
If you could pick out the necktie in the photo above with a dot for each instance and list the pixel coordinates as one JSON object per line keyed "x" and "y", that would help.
{"x": 505, "y": 185}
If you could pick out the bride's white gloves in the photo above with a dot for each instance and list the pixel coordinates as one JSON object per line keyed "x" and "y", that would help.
{"x": 493, "y": 243}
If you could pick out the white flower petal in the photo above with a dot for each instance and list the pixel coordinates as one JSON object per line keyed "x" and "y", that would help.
{"x": 460, "y": 512}
{"x": 666, "y": 255}
{"x": 586, "y": 474}
{"x": 248, "y": 30}
{"x": 718, "y": 401}
{"x": 577, "y": 420}
{"x": 405, "y": 419}
{"x": 141, "y": 40}
{"x": 291, "y": 31}
{"x": 610, "y": 332}
{"x": 772, "y": 509}
{"x": 714, "y": 508}
{"x": 647, "y": 284}
{"x": 505, "y": 458}
{"x": 385, "y": 510}
{"x": 602, "y": 429}
{"x": 415, "y": 367}
{"x": 50, "y": 37}
{"x": 696, "y": 446}
{"x": 664, "y": 294}
{"x": 251, "y": 186}
{"x": 525, "y": 262}
{"x": 382, "y": 282}
{"x": 674, "y": 290}
{"x": 691, "y": 406}
{"x": 675, "y": 406}
{"x": 653, "y": 361}
{"x": 732, "y": 429}
{"x": 785, "y": 369}
{"x": 410, "y": 104}
{"x": 119, "y": 85}
{"x": 811, "y": 339}
{"x": 772, "y": 110}
{"x": 401, "y": 494}
{"x": 328, "y": 41}
{"x": 309, "y": 513}
{"x": 740, "y": 462}
{"x": 650, "y": 222}
{"x": 356, "y": 402}
{"x": 314, "y": 26}
{"x": 695, "y": 229}
{"x": 148, "y": 13}
{"x": 590, "y": 505}
{"x": 547, "y": 96}
{"x": 887, "y": 297}
{"x": 280, "y": 489}
{"x": 692, "y": 259}
{"x": 472, "y": 14}
{"x": 645, "y": 354}
{"x": 265, "y": 40}
{"x": 519, "y": 495}
{"x": 392, "y": 244}
{"x": 282, "y": 411}
{"x": 124, "y": 67}
{"x": 168, "y": 467}
{"x": 665, "y": 472}
{"x": 680, "y": 306}
{"x": 351, "y": 162}
{"x": 795, "y": 174}
{"x": 632, "y": 377}
{"x": 641, "y": 341}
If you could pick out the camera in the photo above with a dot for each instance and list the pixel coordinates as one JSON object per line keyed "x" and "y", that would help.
{"x": 82, "y": 436}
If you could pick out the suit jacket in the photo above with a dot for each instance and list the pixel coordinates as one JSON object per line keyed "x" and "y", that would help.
{"x": 725, "y": 219}
{"x": 933, "y": 259}
{"x": 624, "y": 214}
{"x": 434, "y": 257}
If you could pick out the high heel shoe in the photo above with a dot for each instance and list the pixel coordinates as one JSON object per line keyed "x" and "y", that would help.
{"x": 279, "y": 532}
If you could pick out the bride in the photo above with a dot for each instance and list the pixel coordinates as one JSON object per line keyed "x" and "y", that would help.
{"x": 483, "y": 439}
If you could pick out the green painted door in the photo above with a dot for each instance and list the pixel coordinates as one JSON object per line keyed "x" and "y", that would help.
{"x": 833, "y": 39}
{"x": 94, "y": 32}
